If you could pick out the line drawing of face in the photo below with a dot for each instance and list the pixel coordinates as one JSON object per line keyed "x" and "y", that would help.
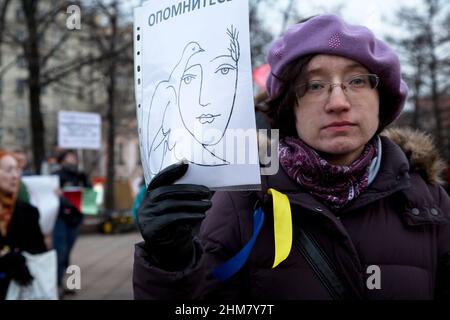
{"x": 197, "y": 97}
{"x": 163, "y": 103}
{"x": 207, "y": 92}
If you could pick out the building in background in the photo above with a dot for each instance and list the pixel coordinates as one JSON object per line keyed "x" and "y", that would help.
{"x": 82, "y": 90}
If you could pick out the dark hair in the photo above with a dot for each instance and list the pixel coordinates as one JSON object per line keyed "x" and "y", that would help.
{"x": 64, "y": 154}
{"x": 382, "y": 113}
{"x": 280, "y": 109}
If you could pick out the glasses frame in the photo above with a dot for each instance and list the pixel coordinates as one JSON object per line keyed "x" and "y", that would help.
{"x": 331, "y": 85}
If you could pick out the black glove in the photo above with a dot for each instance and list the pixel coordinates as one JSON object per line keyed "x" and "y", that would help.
{"x": 16, "y": 268}
{"x": 168, "y": 215}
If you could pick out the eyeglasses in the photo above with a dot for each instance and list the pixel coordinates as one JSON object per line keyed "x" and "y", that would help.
{"x": 319, "y": 90}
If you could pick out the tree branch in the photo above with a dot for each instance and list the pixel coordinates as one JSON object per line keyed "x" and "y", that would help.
{"x": 6, "y": 67}
{"x": 53, "y": 50}
{"x": 61, "y": 71}
{"x": 48, "y": 18}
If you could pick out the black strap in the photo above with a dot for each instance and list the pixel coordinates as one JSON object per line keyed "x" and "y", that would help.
{"x": 321, "y": 264}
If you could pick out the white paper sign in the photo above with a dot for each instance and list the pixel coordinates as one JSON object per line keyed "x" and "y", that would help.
{"x": 42, "y": 190}
{"x": 194, "y": 91}
{"x": 79, "y": 130}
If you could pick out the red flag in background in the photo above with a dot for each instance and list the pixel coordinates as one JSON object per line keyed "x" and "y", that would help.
{"x": 260, "y": 75}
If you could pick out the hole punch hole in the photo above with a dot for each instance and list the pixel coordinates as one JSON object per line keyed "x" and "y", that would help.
{"x": 138, "y": 37}
{"x": 138, "y": 53}
{"x": 138, "y": 68}
{"x": 139, "y": 81}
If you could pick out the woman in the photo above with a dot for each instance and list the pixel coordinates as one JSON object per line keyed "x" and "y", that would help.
{"x": 349, "y": 215}
{"x": 19, "y": 226}
{"x": 69, "y": 219}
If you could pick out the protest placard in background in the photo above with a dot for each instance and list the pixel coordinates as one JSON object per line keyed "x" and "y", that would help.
{"x": 42, "y": 190}
{"x": 84, "y": 199}
{"x": 194, "y": 94}
{"x": 89, "y": 202}
{"x": 79, "y": 130}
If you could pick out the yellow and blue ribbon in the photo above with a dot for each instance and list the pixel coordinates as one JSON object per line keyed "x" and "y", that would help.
{"x": 233, "y": 265}
{"x": 282, "y": 218}
{"x": 282, "y": 223}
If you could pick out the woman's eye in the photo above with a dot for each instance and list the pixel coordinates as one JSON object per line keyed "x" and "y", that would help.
{"x": 358, "y": 82}
{"x": 225, "y": 69}
{"x": 315, "y": 86}
{"x": 187, "y": 79}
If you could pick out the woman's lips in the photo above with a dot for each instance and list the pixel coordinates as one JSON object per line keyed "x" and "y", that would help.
{"x": 339, "y": 126}
{"x": 207, "y": 118}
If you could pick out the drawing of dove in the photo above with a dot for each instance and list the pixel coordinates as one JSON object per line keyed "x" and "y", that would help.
{"x": 163, "y": 106}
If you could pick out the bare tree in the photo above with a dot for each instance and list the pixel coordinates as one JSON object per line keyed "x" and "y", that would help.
{"x": 434, "y": 41}
{"x": 37, "y": 23}
{"x": 260, "y": 35}
{"x": 44, "y": 20}
{"x": 423, "y": 47}
{"x": 4, "y": 4}
{"x": 110, "y": 35}
{"x": 415, "y": 55}
{"x": 286, "y": 14}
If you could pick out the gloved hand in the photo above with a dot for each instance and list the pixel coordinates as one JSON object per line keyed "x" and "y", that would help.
{"x": 16, "y": 268}
{"x": 168, "y": 214}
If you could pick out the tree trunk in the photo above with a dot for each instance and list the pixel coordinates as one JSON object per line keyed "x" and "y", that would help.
{"x": 109, "y": 192}
{"x": 433, "y": 9}
{"x": 416, "y": 98}
{"x": 110, "y": 176}
{"x": 435, "y": 100}
{"x": 34, "y": 88}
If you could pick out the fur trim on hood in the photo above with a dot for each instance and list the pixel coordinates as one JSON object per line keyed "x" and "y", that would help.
{"x": 421, "y": 152}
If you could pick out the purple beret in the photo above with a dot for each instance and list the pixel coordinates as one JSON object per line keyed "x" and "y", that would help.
{"x": 329, "y": 34}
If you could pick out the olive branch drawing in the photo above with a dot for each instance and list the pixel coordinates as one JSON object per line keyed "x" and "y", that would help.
{"x": 234, "y": 43}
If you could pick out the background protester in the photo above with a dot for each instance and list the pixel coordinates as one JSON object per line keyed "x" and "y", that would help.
{"x": 67, "y": 225}
{"x": 19, "y": 226}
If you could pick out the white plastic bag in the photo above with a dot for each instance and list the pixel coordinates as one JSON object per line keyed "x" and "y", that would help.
{"x": 44, "y": 286}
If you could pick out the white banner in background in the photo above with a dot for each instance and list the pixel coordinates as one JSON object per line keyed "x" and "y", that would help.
{"x": 194, "y": 94}
{"x": 79, "y": 130}
{"x": 42, "y": 190}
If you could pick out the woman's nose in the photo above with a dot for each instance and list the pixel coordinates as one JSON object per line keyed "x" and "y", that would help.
{"x": 204, "y": 96}
{"x": 337, "y": 100}
{"x": 203, "y": 101}
{"x": 16, "y": 174}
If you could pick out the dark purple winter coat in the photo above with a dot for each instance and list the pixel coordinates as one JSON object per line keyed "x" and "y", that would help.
{"x": 400, "y": 223}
